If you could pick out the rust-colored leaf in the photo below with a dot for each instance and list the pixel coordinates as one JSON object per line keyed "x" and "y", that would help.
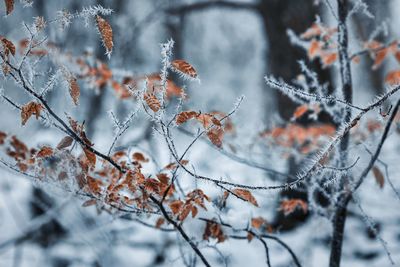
{"x": 176, "y": 206}
{"x": 214, "y": 230}
{"x": 152, "y": 102}
{"x": 137, "y": 156}
{"x": 45, "y": 152}
{"x": 184, "y": 67}
{"x": 290, "y": 205}
{"x": 74, "y": 90}
{"x": 160, "y": 221}
{"x": 258, "y": 222}
{"x": 300, "y": 111}
{"x": 28, "y": 110}
{"x": 106, "y": 33}
{"x": 89, "y": 202}
{"x": 380, "y": 57}
{"x": 185, "y": 116}
{"x": 329, "y": 58}
{"x": 9, "y": 6}
{"x": 250, "y": 237}
{"x": 65, "y": 142}
{"x": 3, "y": 137}
{"x": 91, "y": 157}
{"x": 215, "y": 135}
{"x": 246, "y": 195}
{"x": 314, "y": 49}
{"x": 379, "y": 178}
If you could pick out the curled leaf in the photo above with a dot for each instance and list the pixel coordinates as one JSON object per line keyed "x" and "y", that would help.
{"x": 28, "y": 110}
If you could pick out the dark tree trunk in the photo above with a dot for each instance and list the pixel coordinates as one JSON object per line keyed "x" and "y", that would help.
{"x": 282, "y": 62}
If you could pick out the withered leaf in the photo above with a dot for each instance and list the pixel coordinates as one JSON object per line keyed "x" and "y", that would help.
{"x": 91, "y": 157}
{"x": 106, "y": 33}
{"x": 65, "y": 142}
{"x": 185, "y": 116}
{"x": 74, "y": 90}
{"x": 152, "y": 102}
{"x": 89, "y": 202}
{"x": 8, "y": 46}
{"x": 290, "y": 205}
{"x": 379, "y": 178}
{"x": 246, "y": 195}
{"x": 45, "y": 152}
{"x": 215, "y": 135}
{"x": 9, "y": 6}
{"x": 28, "y": 110}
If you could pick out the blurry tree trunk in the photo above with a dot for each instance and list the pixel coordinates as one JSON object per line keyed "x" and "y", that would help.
{"x": 281, "y": 58}
{"x": 364, "y": 26}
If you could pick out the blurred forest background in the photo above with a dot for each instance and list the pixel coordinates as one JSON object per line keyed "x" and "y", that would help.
{"x": 233, "y": 45}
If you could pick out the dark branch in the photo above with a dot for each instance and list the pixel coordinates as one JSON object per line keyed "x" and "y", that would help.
{"x": 200, "y": 6}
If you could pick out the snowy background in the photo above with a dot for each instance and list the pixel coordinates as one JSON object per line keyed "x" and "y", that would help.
{"x": 42, "y": 225}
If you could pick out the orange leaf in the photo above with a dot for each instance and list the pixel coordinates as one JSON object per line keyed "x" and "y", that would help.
{"x": 257, "y": 222}
{"x": 397, "y": 56}
{"x": 314, "y": 49}
{"x": 289, "y": 206}
{"x": 300, "y": 111}
{"x": 3, "y": 136}
{"x": 184, "y": 67}
{"x": 106, "y": 33}
{"x": 379, "y": 57}
{"x": 393, "y": 77}
{"x": 9, "y": 6}
{"x": 45, "y": 152}
{"x": 329, "y": 58}
{"x": 379, "y": 178}
{"x": 246, "y": 195}
{"x": 152, "y": 102}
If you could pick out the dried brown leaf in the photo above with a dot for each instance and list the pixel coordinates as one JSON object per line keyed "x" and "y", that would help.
{"x": 65, "y": 142}
{"x": 152, "y": 102}
{"x": 9, "y": 6}
{"x": 45, "y": 152}
{"x": 184, "y": 67}
{"x": 379, "y": 177}
{"x": 28, "y": 110}
{"x": 106, "y": 33}
{"x": 246, "y": 195}
{"x": 74, "y": 90}
{"x": 185, "y": 116}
